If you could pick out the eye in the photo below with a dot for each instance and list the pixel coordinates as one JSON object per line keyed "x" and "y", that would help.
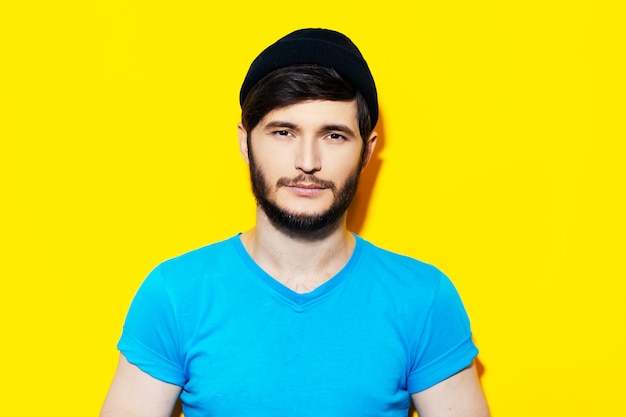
{"x": 336, "y": 137}
{"x": 281, "y": 133}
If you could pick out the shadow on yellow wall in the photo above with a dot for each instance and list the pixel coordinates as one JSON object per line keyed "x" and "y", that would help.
{"x": 357, "y": 212}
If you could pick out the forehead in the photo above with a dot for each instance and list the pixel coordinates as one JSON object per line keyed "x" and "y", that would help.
{"x": 315, "y": 112}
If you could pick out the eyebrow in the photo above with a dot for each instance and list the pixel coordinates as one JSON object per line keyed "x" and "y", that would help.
{"x": 278, "y": 123}
{"x": 339, "y": 128}
{"x": 326, "y": 128}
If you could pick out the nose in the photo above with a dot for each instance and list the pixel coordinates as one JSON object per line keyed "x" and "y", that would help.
{"x": 308, "y": 156}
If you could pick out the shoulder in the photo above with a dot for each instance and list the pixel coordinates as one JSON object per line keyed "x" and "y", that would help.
{"x": 398, "y": 265}
{"x": 416, "y": 292}
{"x": 409, "y": 281}
{"x": 198, "y": 259}
{"x": 195, "y": 268}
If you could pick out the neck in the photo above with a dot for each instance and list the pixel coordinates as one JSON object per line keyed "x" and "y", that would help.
{"x": 300, "y": 262}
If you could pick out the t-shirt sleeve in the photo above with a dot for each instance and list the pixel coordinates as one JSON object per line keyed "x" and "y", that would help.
{"x": 150, "y": 337}
{"x": 445, "y": 346}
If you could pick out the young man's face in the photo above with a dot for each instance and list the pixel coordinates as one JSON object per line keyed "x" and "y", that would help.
{"x": 305, "y": 160}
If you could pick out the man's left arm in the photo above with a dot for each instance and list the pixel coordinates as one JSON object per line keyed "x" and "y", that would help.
{"x": 457, "y": 396}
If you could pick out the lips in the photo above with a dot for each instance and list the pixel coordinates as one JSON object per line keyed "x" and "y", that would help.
{"x": 306, "y": 190}
{"x": 306, "y": 182}
{"x": 307, "y": 186}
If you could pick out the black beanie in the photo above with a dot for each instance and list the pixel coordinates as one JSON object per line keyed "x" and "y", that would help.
{"x": 323, "y": 47}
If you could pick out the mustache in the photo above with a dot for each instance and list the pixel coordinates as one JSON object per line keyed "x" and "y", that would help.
{"x": 307, "y": 179}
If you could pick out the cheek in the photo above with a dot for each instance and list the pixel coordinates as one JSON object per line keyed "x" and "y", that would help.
{"x": 270, "y": 156}
{"x": 343, "y": 164}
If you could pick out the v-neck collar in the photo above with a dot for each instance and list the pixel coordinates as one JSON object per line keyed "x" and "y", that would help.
{"x": 299, "y": 301}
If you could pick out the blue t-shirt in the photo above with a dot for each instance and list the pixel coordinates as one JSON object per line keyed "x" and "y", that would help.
{"x": 237, "y": 341}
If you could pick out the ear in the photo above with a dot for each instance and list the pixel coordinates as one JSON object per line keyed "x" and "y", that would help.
{"x": 370, "y": 144}
{"x": 242, "y": 133}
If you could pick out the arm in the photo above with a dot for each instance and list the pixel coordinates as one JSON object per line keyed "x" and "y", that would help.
{"x": 458, "y": 396}
{"x": 134, "y": 393}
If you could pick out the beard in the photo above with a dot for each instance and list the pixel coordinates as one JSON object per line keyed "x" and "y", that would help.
{"x": 302, "y": 223}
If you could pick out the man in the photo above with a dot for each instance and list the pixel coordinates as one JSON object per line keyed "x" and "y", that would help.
{"x": 298, "y": 316}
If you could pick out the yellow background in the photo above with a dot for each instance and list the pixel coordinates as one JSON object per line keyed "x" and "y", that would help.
{"x": 501, "y": 161}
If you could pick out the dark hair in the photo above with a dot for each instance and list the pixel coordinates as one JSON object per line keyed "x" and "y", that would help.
{"x": 296, "y": 83}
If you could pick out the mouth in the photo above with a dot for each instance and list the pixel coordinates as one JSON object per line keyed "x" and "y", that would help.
{"x": 306, "y": 189}
{"x": 308, "y": 186}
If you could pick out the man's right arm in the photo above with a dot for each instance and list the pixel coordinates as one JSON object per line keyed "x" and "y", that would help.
{"x": 134, "y": 393}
